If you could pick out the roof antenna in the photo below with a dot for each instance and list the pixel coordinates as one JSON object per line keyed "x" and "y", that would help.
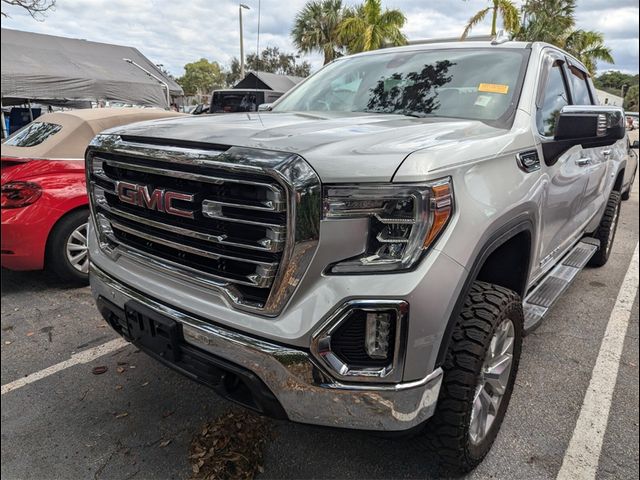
{"x": 258, "y": 61}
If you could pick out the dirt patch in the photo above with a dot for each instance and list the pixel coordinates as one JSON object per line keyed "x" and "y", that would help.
{"x": 230, "y": 447}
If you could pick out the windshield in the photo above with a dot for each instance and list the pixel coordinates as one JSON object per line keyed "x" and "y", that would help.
{"x": 478, "y": 84}
{"x": 33, "y": 134}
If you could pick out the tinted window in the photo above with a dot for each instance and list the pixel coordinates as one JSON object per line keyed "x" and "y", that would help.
{"x": 33, "y": 134}
{"x": 476, "y": 84}
{"x": 240, "y": 101}
{"x": 579, "y": 87}
{"x": 555, "y": 97}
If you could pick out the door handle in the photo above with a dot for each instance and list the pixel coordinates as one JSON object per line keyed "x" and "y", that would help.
{"x": 583, "y": 162}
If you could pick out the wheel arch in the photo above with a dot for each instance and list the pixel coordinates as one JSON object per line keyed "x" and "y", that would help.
{"x": 515, "y": 239}
{"x": 47, "y": 248}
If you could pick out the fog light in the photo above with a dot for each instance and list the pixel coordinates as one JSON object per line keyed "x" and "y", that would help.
{"x": 377, "y": 334}
{"x": 364, "y": 341}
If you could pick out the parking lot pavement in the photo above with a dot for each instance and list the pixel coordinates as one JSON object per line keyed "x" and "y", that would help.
{"x": 76, "y": 424}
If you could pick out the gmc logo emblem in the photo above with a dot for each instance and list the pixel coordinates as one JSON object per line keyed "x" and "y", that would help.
{"x": 159, "y": 199}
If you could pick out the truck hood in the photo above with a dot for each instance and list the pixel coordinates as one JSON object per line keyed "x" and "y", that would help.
{"x": 340, "y": 146}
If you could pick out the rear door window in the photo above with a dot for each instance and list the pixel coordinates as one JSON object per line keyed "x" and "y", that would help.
{"x": 33, "y": 134}
{"x": 579, "y": 87}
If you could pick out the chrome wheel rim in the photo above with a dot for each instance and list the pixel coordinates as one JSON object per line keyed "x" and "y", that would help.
{"x": 77, "y": 250}
{"x": 493, "y": 381}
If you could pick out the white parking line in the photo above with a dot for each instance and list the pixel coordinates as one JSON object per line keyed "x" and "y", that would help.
{"x": 583, "y": 454}
{"x": 84, "y": 356}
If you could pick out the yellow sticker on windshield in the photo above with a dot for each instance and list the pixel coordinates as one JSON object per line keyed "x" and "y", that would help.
{"x": 493, "y": 88}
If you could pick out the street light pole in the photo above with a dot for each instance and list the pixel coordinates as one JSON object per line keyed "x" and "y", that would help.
{"x": 240, "y": 7}
{"x": 166, "y": 85}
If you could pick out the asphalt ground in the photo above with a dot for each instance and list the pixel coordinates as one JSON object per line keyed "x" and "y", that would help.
{"x": 138, "y": 418}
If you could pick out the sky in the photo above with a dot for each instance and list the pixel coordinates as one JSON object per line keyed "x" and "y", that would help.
{"x": 174, "y": 32}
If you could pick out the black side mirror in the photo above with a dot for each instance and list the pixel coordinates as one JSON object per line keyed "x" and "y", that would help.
{"x": 586, "y": 125}
{"x": 635, "y": 144}
{"x": 590, "y": 126}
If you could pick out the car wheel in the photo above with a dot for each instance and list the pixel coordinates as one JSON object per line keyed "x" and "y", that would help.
{"x": 479, "y": 374}
{"x": 67, "y": 250}
{"x": 606, "y": 231}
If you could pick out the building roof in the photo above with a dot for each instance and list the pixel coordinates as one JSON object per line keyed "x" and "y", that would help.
{"x": 56, "y": 70}
{"x": 269, "y": 81}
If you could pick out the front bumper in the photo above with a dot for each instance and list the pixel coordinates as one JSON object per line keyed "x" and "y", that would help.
{"x": 290, "y": 375}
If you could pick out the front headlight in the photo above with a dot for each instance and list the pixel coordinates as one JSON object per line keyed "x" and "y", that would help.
{"x": 405, "y": 219}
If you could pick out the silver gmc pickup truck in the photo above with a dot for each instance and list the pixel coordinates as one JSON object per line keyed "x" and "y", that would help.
{"x": 369, "y": 251}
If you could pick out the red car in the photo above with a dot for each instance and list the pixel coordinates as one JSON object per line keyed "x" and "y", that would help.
{"x": 44, "y": 196}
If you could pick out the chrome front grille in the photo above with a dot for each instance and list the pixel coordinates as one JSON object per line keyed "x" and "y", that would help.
{"x": 224, "y": 218}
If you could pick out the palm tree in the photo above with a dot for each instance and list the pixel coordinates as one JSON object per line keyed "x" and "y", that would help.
{"x": 547, "y": 21}
{"x": 588, "y": 47}
{"x": 316, "y": 28}
{"x": 367, "y": 27}
{"x": 505, "y": 8}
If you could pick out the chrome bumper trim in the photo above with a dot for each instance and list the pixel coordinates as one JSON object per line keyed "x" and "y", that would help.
{"x": 306, "y": 394}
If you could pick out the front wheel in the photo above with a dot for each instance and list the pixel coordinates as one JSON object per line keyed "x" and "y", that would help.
{"x": 67, "y": 250}
{"x": 479, "y": 374}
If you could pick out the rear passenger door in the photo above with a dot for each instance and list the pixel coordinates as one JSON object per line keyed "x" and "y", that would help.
{"x": 595, "y": 159}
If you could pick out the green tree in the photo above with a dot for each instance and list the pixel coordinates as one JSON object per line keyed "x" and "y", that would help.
{"x": 272, "y": 60}
{"x": 631, "y": 99}
{"x": 553, "y": 21}
{"x": 233, "y": 75}
{"x": 201, "y": 77}
{"x": 316, "y": 28}
{"x": 613, "y": 81}
{"x": 547, "y": 21}
{"x": 503, "y": 8}
{"x": 366, "y": 27}
{"x": 588, "y": 47}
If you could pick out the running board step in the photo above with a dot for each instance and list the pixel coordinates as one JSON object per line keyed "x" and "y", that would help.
{"x": 540, "y": 300}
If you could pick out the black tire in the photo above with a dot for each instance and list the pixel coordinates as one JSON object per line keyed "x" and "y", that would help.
{"x": 626, "y": 195}
{"x": 606, "y": 231}
{"x": 56, "y": 256}
{"x": 448, "y": 431}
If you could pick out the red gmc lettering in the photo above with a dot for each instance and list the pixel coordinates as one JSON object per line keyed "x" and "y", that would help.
{"x": 127, "y": 192}
{"x": 169, "y": 208}
{"x": 158, "y": 200}
{"x": 151, "y": 201}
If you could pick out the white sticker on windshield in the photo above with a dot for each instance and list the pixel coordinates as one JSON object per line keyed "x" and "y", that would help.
{"x": 483, "y": 100}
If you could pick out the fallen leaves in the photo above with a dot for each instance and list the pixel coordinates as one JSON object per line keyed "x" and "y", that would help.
{"x": 231, "y": 447}
{"x": 122, "y": 415}
{"x": 164, "y": 444}
{"x": 120, "y": 369}
{"x": 99, "y": 370}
